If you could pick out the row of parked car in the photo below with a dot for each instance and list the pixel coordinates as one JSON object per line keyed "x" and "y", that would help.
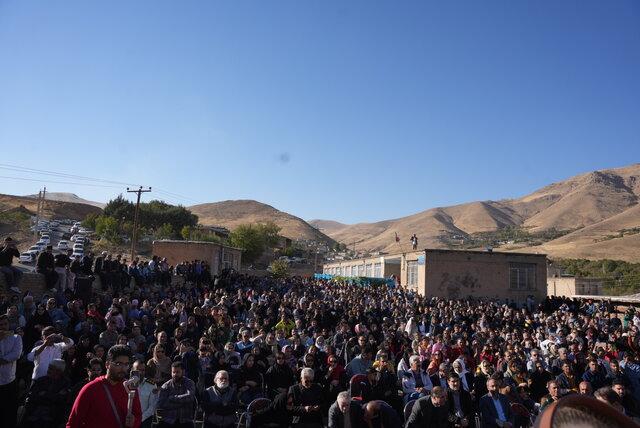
{"x": 78, "y": 241}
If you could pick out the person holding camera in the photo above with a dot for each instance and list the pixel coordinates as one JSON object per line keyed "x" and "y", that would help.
{"x": 50, "y": 348}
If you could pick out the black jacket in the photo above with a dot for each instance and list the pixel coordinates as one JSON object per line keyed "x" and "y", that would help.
{"x": 425, "y": 414}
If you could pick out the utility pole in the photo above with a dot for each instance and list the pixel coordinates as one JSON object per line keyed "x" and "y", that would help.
{"x": 134, "y": 238}
{"x": 35, "y": 227}
{"x": 39, "y": 209}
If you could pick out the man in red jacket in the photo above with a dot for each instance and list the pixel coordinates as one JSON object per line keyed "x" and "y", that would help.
{"x": 102, "y": 403}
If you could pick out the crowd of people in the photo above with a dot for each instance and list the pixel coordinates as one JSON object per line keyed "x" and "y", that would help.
{"x": 315, "y": 352}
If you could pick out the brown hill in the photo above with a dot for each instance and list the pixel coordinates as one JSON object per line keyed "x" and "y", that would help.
{"x": 598, "y": 203}
{"x": 52, "y": 209}
{"x": 69, "y": 197}
{"x": 232, "y": 214}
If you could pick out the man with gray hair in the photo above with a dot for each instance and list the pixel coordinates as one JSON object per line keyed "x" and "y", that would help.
{"x": 47, "y": 396}
{"x": 308, "y": 400}
{"x": 345, "y": 412}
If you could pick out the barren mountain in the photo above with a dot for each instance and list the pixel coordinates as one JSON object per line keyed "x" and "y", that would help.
{"x": 598, "y": 203}
{"x": 68, "y": 197}
{"x": 52, "y": 209}
{"x": 232, "y": 214}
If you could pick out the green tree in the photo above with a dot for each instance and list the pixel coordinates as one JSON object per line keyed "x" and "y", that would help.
{"x": 90, "y": 221}
{"x": 185, "y": 232}
{"x": 280, "y": 269}
{"x": 255, "y": 239}
{"x": 165, "y": 231}
{"x": 251, "y": 240}
{"x": 109, "y": 228}
{"x": 119, "y": 208}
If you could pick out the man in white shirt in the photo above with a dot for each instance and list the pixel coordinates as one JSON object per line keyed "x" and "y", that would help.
{"x": 51, "y": 348}
{"x": 10, "y": 351}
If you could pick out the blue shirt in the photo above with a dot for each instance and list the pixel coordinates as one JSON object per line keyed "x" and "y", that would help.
{"x": 498, "y": 404}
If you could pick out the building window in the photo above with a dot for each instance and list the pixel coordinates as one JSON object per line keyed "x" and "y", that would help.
{"x": 353, "y": 271}
{"x": 360, "y": 270}
{"x": 412, "y": 273}
{"x": 377, "y": 270}
{"x": 368, "y": 270}
{"x": 522, "y": 276}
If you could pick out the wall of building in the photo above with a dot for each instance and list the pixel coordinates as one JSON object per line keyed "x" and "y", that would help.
{"x": 387, "y": 268}
{"x": 570, "y": 286}
{"x": 460, "y": 274}
{"x": 218, "y": 256}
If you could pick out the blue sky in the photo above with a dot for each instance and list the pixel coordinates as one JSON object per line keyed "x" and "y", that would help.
{"x": 353, "y": 111}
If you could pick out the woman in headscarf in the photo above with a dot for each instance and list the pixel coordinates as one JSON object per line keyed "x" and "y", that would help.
{"x": 279, "y": 376}
{"x": 278, "y": 415}
{"x": 160, "y": 364}
{"x": 250, "y": 381}
{"x": 34, "y": 327}
{"x": 466, "y": 378}
{"x": 335, "y": 380}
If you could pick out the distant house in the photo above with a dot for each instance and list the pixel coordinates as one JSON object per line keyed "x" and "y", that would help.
{"x": 456, "y": 274}
{"x": 219, "y": 231}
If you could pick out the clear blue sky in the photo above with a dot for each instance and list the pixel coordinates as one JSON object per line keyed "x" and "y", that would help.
{"x": 353, "y": 111}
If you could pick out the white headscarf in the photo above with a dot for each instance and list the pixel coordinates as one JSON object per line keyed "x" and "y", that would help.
{"x": 462, "y": 373}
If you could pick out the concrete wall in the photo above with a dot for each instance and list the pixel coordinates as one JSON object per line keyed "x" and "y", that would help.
{"x": 218, "y": 256}
{"x": 459, "y": 274}
{"x": 569, "y": 286}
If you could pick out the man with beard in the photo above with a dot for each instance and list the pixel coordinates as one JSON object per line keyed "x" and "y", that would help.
{"x": 430, "y": 411}
{"x": 495, "y": 408}
{"x": 177, "y": 399}
{"x": 102, "y": 403}
{"x": 220, "y": 402}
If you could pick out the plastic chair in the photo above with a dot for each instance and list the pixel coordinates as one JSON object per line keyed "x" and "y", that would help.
{"x": 407, "y": 409}
{"x": 355, "y": 386}
{"x": 254, "y": 408}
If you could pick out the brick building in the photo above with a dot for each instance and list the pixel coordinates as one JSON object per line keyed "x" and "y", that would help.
{"x": 456, "y": 273}
{"x": 217, "y": 255}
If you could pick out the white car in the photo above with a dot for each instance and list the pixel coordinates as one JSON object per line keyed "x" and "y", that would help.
{"x": 45, "y": 238}
{"x": 41, "y": 245}
{"x": 78, "y": 253}
{"x": 78, "y": 247}
{"x": 63, "y": 245}
{"x": 27, "y": 257}
{"x": 34, "y": 248}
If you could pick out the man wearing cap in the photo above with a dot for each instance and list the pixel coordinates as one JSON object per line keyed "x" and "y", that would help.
{"x": 13, "y": 274}
{"x": 46, "y": 398}
{"x": 46, "y": 266}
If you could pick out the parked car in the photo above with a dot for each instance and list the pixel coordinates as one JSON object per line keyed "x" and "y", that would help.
{"x": 46, "y": 239}
{"x": 41, "y": 245}
{"x": 78, "y": 253}
{"x": 63, "y": 245}
{"x": 34, "y": 249}
{"x": 78, "y": 247}
{"x": 27, "y": 257}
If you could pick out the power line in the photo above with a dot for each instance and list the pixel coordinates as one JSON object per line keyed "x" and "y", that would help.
{"x": 60, "y": 182}
{"x": 59, "y": 174}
